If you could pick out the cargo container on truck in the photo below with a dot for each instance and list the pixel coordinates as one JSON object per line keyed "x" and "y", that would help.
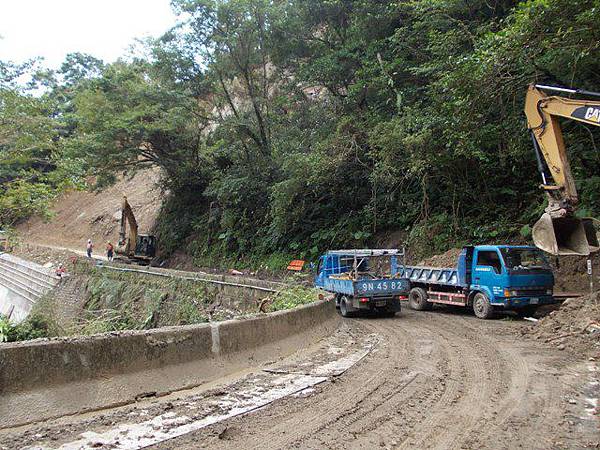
{"x": 364, "y": 280}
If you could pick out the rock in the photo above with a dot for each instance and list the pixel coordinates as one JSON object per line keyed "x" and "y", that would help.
{"x": 561, "y": 347}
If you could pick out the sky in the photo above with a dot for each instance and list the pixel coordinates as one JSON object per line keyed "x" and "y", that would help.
{"x": 53, "y": 28}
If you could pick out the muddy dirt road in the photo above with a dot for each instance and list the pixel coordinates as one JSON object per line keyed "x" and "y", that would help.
{"x": 430, "y": 380}
{"x": 436, "y": 381}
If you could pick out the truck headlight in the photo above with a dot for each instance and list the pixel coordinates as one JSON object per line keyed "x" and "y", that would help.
{"x": 511, "y": 293}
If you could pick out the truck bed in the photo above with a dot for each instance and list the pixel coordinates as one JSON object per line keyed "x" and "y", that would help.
{"x": 445, "y": 276}
{"x": 368, "y": 287}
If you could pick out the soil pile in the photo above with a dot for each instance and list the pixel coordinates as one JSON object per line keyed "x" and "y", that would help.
{"x": 81, "y": 215}
{"x": 575, "y": 325}
{"x": 570, "y": 273}
{"x": 447, "y": 259}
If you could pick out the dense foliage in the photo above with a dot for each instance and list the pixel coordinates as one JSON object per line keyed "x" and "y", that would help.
{"x": 294, "y": 126}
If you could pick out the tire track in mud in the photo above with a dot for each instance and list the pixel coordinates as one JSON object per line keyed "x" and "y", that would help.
{"x": 438, "y": 380}
{"x": 470, "y": 384}
{"x": 351, "y": 403}
{"x": 365, "y": 409}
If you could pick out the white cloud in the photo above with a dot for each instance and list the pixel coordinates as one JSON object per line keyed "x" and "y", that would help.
{"x": 53, "y": 28}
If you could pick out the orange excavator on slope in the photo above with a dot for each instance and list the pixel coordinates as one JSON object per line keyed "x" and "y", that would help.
{"x": 559, "y": 231}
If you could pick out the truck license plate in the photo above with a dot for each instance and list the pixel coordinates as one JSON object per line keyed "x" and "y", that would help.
{"x": 534, "y": 301}
{"x": 380, "y": 303}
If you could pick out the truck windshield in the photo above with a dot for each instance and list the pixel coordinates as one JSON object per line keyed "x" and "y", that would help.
{"x": 524, "y": 259}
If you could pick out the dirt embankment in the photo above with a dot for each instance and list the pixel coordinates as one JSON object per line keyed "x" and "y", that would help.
{"x": 574, "y": 326}
{"x": 81, "y": 215}
{"x": 570, "y": 273}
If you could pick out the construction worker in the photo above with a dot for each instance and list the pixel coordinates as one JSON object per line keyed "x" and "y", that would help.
{"x": 89, "y": 248}
{"x": 110, "y": 250}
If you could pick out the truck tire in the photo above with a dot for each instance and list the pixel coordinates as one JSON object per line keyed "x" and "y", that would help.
{"x": 417, "y": 299}
{"x": 482, "y": 307}
{"x": 344, "y": 307}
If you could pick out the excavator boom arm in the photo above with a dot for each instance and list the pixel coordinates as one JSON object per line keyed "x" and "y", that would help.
{"x": 558, "y": 231}
{"x": 127, "y": 217}
{"x": 542, "y": 113}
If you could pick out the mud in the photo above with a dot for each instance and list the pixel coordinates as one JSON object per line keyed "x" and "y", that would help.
{"x": 431, "y": 380}
{"x": 574, "y": 326}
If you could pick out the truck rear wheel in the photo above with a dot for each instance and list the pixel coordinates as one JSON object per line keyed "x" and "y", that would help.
{"x": 344, "y": 309}
{"x": 417, "y": 299}
{"x": 482, "y": 307}
{"x": 337, "y": 301}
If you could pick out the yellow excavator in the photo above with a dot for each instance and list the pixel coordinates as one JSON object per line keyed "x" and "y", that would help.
{"x": 559, "y": 231}
{"x": 140, "y": 248}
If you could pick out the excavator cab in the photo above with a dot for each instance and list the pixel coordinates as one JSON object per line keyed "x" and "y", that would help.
{"x": 145, "y": 246}
{"x": 566, "y": 235}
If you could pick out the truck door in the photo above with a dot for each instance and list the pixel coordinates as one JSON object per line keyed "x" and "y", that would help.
{"x": 487, "y": 273}
{"x": 319, "y": 274}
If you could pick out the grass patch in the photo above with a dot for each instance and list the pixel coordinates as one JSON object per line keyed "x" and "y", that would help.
{"x": 292, "y": 297}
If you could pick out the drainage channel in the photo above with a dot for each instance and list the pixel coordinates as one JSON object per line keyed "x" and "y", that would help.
{"x": 140, "y": 427}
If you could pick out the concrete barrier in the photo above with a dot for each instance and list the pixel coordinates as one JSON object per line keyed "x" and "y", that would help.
{"x": 50, "y": 378}
{"x": 223, "y": 286}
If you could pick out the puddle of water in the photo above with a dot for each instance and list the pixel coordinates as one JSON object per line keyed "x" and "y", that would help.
{"x": 591, "y": 391}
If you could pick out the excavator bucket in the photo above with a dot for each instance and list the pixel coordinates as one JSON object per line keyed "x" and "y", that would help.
{"x": 566, "y": 235}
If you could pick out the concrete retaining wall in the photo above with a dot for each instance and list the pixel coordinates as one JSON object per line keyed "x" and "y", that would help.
{"x": 22, "y": 283}
{"x": 227, "y": 287}
{"x": 50, "y": 378}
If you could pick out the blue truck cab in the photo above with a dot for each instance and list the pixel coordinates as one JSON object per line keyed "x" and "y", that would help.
{"x": 363, "y": 280}
{"x": 487, "y": 278}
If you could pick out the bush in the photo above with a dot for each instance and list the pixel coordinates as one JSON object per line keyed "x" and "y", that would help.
{"x": 34, "y": 327}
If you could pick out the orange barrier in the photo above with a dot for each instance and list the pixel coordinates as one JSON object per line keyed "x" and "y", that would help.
{"x": 296, "y": 265}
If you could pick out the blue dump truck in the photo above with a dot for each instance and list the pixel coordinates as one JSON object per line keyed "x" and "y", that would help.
{"x": 488, "y": 278}
{"x": 363, "y": 280}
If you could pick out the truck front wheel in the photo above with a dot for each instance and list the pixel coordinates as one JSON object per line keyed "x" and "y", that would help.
{"x": 417, "y": 299}
{"x": 344, "y": 309}
{"x": 482, "y": 307}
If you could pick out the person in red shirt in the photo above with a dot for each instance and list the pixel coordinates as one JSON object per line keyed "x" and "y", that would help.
{"x": 110, "y": 251}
